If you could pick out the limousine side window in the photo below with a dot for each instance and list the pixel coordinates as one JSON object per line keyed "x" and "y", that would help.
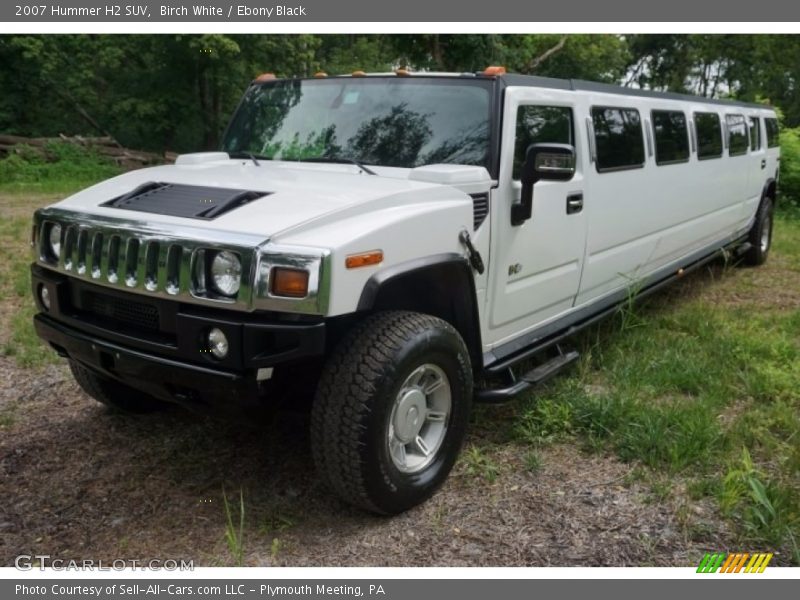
{"x": 618, "y": 138}
{"x": 709, "y": 135}
{"x": 672, "y": 137}
{"x": 772, "y": 132}
{"x": 737, "y": 135}
{"x": 755, "y": 134}
{"x": 540, "y": 125}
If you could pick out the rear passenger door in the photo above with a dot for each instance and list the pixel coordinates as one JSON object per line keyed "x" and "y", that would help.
{"x": 757, "y": 175}
{"x": 772, "y": 147}
{"x": 536, "y": 266}
{"x": 740, "y": 161}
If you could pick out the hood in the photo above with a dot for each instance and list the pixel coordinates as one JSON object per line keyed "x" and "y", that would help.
{"x": 296, "y": 193}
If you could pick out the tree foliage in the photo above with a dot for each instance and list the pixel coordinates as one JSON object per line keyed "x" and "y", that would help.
{"x": 177, "y": 91}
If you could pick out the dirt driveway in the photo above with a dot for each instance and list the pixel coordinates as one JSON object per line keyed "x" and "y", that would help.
{"x": 80, "y": 482}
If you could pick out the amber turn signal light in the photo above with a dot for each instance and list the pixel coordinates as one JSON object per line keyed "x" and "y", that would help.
{"x": 363, "y": 259}
{"x": 291, "y": 283}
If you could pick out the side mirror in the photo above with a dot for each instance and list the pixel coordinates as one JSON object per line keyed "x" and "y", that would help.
{"x": 554, "y": 162}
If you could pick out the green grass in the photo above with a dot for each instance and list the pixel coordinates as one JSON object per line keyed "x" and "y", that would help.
{"x": 28, "y": 180}
{"x": 67, "y": 168}
{"x": 234, "y": 528}
{"x": 690, "y": 386}
{"x": 21, "y": 341}
{"x": 479, "y": 464}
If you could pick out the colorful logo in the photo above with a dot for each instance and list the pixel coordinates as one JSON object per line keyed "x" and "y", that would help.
{"x": 734, "y": 563}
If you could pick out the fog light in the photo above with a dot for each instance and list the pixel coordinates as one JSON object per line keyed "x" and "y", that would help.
{"x": 44, "y": 296}
{"x": 217, "y": 343}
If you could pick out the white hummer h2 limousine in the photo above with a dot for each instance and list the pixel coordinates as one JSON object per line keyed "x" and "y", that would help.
{"x": 399, "y": 244}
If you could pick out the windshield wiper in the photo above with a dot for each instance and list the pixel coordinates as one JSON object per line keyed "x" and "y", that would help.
{"x": 250, "y": 155}
{"x": 339, "y": 160}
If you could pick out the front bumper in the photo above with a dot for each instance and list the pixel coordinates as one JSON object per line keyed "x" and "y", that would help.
{"x": 165, "y": 355}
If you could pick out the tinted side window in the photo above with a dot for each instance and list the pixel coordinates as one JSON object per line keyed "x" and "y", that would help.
{"x": 540, "y": 125}
{"x": 709, "y": 135}
{"x": 772, "y": 132}
{"x": 755, "y": 133}
{"x": 672, "y": 139}
{"x": 618, "y": 138}
{"x": 737, "y": 135}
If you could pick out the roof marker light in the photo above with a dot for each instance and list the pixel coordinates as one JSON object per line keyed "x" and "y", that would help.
{"x": 494, "y": 70}
{"x": 402, "y": 72}
{"x": 265, "y": 77}
{"x": 320, "y": 74}
{"x": 358, "y": 74}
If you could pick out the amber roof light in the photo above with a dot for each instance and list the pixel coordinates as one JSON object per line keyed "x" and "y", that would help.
{"x": 494, "y": 70}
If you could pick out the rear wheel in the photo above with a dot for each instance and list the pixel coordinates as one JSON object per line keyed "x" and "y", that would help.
{"x": 760, "y": 237}
{"x": 113, "y": 393}
{"x": 391, "y": 410}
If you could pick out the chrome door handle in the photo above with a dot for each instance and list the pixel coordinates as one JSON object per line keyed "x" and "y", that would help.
{"x": 574, "y": 203}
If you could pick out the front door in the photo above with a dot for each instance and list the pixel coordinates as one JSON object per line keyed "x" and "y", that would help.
{"x": 536, "y": 265}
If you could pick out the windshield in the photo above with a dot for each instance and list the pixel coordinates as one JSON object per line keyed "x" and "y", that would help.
{"x": 397, "y": 122}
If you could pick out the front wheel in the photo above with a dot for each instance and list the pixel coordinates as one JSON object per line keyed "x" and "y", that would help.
{"x": 760, "y": 237}
{"x": 391, "y": 410}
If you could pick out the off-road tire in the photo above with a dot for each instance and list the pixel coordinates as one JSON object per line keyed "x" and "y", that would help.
{"x": 757, "y": 254}
{"x": 357, "y": 390}
{"x": 114, "y": 394}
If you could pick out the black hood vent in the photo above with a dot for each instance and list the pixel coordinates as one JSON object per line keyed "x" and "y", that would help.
{"x": 180, "y": 200}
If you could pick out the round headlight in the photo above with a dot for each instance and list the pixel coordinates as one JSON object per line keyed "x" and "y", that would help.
{"x": 54, "y": 239}
{"x": 226, "y": 273}
{"x": 217, "y": 343}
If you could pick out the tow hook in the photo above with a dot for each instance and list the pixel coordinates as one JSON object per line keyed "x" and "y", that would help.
{"x": 474, "y": 256}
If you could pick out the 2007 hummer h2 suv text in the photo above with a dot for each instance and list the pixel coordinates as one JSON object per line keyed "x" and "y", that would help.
{"x": 401, "y": 242}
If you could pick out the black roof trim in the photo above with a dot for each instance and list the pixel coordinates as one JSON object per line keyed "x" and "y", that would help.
{"x": 607, "y": 88}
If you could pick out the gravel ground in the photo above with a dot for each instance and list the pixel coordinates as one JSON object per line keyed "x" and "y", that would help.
{"x": 78, "y": 481}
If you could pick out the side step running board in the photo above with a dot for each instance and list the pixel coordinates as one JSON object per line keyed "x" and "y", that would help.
{"x": 538, "y": 375}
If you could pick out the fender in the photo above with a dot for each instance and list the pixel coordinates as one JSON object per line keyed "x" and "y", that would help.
{"x": 771, "y": 182}
{"x": 442, "y": 285}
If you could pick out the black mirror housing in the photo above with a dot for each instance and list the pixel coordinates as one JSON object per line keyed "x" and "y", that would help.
{"x": 553, "y": 162}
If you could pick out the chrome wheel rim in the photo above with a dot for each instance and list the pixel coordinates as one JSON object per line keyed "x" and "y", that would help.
{"x": 766, "y": 226}
{"x": 419, "y": 418}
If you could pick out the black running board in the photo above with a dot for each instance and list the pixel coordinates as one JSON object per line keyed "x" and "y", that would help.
{"x": 531, "y": 379}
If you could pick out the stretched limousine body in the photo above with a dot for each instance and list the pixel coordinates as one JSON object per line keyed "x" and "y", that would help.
{"x": 397, "y": 245}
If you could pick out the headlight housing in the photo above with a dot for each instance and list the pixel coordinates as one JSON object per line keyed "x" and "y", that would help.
{"x": 54, "y": 240}
{"x": 226, "y": 273}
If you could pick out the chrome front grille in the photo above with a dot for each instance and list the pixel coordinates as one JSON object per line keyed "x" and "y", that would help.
{"x": 135, "y": 256}
{"x": 125, "y": 259}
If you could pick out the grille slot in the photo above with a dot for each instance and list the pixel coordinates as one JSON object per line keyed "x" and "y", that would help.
{"x": 113, "y": 259}
{"x": 480, "y": 209}
{"x": 83, "y": 235}
{"x": 97, "y": 255}
{"x": 151, "y": 267}
{"x": 68, "y": 250}
{"x": 131, "y": 262}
